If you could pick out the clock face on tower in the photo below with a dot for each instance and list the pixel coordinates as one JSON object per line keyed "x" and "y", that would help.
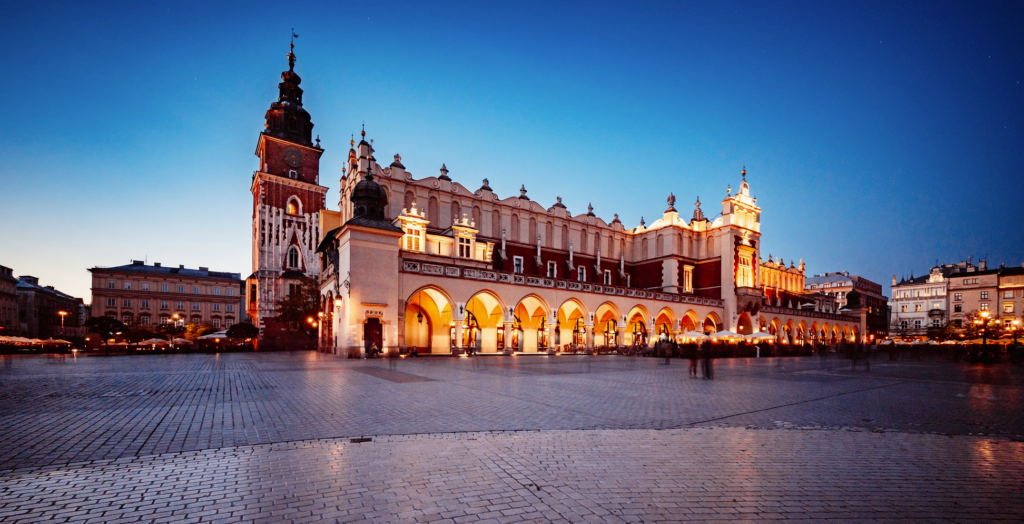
{"x": 293, "y": 156}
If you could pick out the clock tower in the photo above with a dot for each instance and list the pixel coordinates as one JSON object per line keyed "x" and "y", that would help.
{"x": 286, "y": 202}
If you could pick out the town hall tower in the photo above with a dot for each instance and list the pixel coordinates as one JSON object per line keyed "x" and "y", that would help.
{"x": 287, "y": 200}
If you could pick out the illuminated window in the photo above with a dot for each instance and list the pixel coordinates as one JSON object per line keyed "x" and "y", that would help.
{"x": 958, "y": 296}
{"x": 984, "y": 306}
{"x": 688, "y": 279}
{"x": 413, "y": 239}
{"x": 903, "y": 308}
{"x": 1007, "y": 307}
{"x": 745, "y": 275}
{"x": 294, "y": 206}
{"x": 1008, "y": 293}
{"x": 984, "y": 295}
{"x": 917, "y": 307}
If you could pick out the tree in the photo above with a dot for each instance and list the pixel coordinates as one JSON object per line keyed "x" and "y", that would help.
{"x": 170, "y": 330}
{"x": 243, "y": 330}
{"x": 105, "y": 327}
{"x": 195, "y": 330}
{"x": 301, "y": 304}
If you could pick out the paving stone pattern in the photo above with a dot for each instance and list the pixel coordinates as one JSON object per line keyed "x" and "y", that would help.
{"x": 267, "y": 437}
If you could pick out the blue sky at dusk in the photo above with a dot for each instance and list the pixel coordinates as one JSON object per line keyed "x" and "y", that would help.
{"x": 878, "y": 137}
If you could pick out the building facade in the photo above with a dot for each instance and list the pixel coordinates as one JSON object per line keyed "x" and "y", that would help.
{"x": 433, "y": 265}
{"x": 146, "y": 295}
{"x": 9, "y": 324}
{"x": 972, "y": 290}
{"x": 921, "y": 304}
{"x": 287, "y": 200}
{"x": 1011, "y": 297}
{"x": 869, "y": 297}
{"x": 45, "y": 312}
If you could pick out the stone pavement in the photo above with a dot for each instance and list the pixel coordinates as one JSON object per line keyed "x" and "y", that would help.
{"x": 244, "y": 437}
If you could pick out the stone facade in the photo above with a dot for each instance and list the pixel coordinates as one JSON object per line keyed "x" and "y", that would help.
{"x": 9, "y": 324}
{"x": 141, "y": 294}
{"x": 39, "y": 309}
{"x": 465, "y": 268}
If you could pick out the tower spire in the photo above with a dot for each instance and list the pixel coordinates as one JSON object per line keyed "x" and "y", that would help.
{"x": 291, "y": 51}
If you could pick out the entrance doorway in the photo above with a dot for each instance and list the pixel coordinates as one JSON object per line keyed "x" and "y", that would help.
{"x": 373, "y": 335}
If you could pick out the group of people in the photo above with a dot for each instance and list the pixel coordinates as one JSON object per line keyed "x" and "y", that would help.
{"x": 697, "y": 354}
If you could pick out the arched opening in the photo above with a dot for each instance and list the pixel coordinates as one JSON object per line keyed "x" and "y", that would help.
{"x": 293, "y": 258}
{"x": 790, "y": 332}
{"x": 711, "y": 323}
{"x": 744, "y": 325}
{"x": 294, "y": 206}
{"x": 486, "y": 310}
{"x": 428, "y": 313}
{"x": 690, "y": 321}
{"x": 570, "y": 324}
{"x": 606, "y": 325}
{"x": 636, "y": 327}
{"x": 664, "y": 323}
{"x": 530, "y": 315}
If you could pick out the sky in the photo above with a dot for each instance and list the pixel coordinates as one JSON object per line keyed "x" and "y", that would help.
{"x": 878, "y": 137}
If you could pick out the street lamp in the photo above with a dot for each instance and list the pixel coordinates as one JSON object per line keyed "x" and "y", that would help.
{"x": 174, "y": 320}
{"x": 62, "y": 315}
{"x": 1016, "y": 326}
{"x": 984, "y": 327}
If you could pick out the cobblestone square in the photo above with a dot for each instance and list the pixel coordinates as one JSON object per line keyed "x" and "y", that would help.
{"x": 301, "y": 437}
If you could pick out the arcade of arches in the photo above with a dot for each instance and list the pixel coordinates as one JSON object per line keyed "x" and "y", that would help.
{"x": 437, "y": 322}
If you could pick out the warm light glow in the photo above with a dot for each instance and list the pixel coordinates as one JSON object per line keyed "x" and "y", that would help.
{"x": 62, "y": 313}
{"x": 320, "y": 314}
{"x": 310, "y": 320}
{"x": 337, "y": 302}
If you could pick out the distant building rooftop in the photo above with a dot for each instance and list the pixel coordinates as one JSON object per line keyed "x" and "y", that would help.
{"x": 138, "y": 266}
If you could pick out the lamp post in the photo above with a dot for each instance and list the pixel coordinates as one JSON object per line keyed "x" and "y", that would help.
{"x": 62, "y": 315}
{"x": 984, "y": 328}
{"x": 1016, "y": 325}
{"x": 174, "y": 320}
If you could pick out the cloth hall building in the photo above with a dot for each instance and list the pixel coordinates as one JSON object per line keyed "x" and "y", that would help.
{"x": 432, "y": 265}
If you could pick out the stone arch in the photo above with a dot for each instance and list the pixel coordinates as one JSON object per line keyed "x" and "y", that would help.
{"x": 485, "y": 315}
{"x": 408, "y": 200}
{"x": 855, "y": 331}
{"x": 690, "y": 321}
{"x": 433, "y": 212}
{"x": 712, "y": 323}
{"x": 571, "y": 320}
{"x": 637, "y": 332}
{"x": 428, "y": 315}
{"x": 665, "y": 322}
{"x": 607, "y": 325}
{"x": 744, "y": 325}
{"x": 774, "y": 328}
{"x": 789, "y": 332}
{"x": 456, "y": 211}
{"x": 531, "y": 315}
{"x": 478, "y": 218}
{"x": 801, "y": 330}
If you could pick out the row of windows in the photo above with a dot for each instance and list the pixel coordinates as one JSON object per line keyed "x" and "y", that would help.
{"x": 164, "y": 288}
{"x": 144, "y": 321}
{"x": 144, "y": 304}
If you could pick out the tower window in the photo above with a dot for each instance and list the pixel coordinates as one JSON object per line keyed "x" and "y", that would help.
{"x": 294, "y": 206}
{"x": 293, "y": 258}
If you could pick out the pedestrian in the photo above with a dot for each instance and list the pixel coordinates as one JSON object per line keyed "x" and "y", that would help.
{"x": 708, "y": 372}
{"x": 692, "y": 353}
{"x": 666, "y": 350}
